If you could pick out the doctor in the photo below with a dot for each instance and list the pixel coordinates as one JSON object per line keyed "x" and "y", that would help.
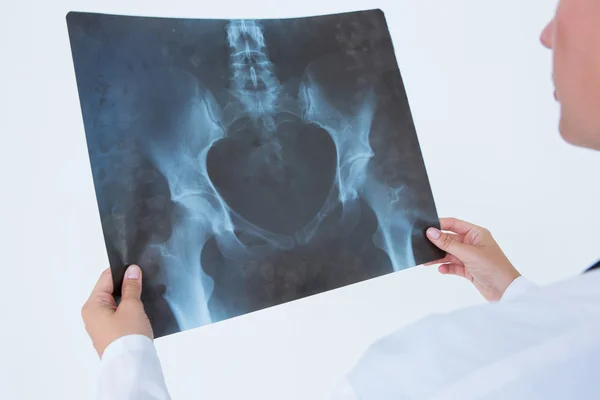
{"x": 528, "y": 343}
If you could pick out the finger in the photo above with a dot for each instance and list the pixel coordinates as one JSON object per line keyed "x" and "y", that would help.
{"x": 447, "y": 242}
{"x": 101, "y": 297}
{"x": 456, "y": 225}
{"x": 104, "y": 284}
{"x": 449, "y": 258}
{"x": 452, "y": 269}
{"x": 132, "y": 283}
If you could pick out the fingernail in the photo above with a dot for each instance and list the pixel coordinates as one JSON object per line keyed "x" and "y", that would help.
{"x": 133, "y": 272}
{"x": 433, "y": 233}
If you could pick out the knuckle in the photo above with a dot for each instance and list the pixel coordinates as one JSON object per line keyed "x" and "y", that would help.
{"x": 131, "y": 307}
{"x": 132, "y": 285}
{"x": 480, "y": 235}
{"x": 449, "y": 222}
{"x": 130, "y": 303}
{"x": 85, "y": 310}
{"x": 447, "y": 241}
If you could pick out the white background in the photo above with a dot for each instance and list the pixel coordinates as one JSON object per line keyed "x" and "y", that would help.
{"x": 480, "y": 89}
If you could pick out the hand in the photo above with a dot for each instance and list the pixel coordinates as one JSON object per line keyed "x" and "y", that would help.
{"x": 104, "y": 321}
{"x": 473, "y": 254}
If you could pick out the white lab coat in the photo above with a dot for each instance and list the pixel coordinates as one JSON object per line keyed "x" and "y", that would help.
{"x": 537, "y": 343}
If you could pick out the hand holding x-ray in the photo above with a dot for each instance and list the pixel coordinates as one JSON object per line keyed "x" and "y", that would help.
{"x": 473, "y": 254}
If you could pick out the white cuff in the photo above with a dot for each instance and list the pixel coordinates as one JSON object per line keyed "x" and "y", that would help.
{"x": 130, "y": 370}
{"x": 344, "y": 391}
{"x": 128, "y": 344}
{"x": 517, "y": 288}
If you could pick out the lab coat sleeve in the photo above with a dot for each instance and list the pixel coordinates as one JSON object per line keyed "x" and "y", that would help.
{"x": 344, "y": 391}
{"x": 130, "y": 370}
{"x": 517, "y": 288}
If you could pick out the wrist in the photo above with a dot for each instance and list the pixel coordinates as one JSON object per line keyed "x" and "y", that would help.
{"x": 126, "y": 343}
{"x": 507, "y": 280}
{"x": 502, "y": 280}
{"x": 517, "y": 288}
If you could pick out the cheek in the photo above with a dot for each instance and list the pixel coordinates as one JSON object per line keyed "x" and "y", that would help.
{"x": 569, "y": 72}
{"x": 577, "y": 75}
{"x": 578, "y": 91}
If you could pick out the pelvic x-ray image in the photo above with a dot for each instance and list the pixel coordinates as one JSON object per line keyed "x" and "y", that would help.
{"x": 246, "y": 163}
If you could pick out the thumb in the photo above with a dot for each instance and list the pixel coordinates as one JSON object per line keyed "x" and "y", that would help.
{"x": 132, "y": 283}
{"x": 446, "y": 242}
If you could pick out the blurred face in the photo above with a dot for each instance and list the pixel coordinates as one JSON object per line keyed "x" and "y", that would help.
{"x": 574, "y": 37}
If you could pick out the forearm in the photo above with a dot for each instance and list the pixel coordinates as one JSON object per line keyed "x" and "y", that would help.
{"x": 130, "y": 370}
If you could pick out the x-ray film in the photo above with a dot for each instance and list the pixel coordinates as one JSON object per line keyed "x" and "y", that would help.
{"x": 246, "y": 163}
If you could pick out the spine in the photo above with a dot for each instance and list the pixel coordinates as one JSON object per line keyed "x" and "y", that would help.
{"x": 253, "y": 80}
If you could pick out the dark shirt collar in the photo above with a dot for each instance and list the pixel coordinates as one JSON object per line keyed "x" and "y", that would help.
{"x": 593, "y": 267}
